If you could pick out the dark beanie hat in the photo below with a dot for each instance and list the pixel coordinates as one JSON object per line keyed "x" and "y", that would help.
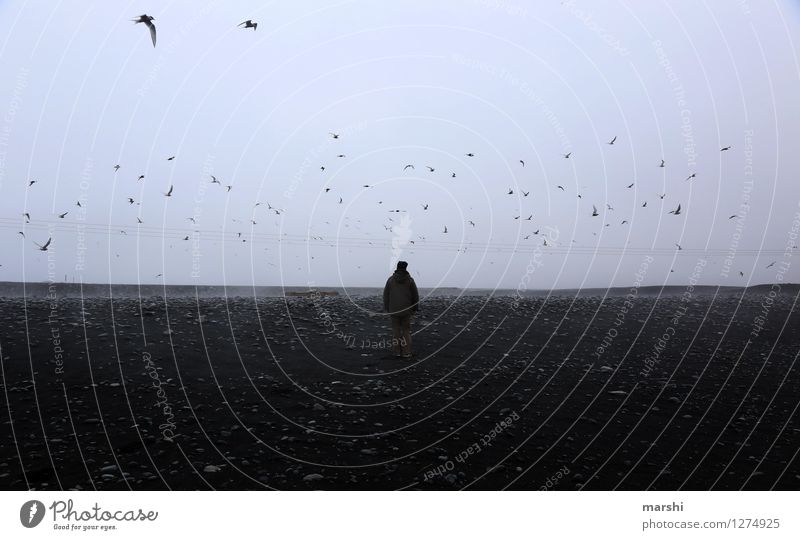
{"x": 401, "y": 265}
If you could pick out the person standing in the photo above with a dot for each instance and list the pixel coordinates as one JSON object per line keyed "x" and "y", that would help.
{"x": 401, "y": 301}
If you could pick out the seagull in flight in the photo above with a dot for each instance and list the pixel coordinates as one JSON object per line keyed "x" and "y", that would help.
{"x": 645, "y": 204}
{"x": 148, "y": 21}
{"x": 333, "y": 135}
{"x": 733, "y": 216}
{"x": 662, "y": 195}
{"x": 31, "y": 183}
{"x": 679, "y": 247}
{"x": 690, "y": 176}
{"x": 724, "y": 148}
{"x": 560, "y": 187}
{"x": 612, "y": 140}
{"x": 62, "y": 216}
{"x": 116, "y": 167}
{"x": 409, "y": 166}
{"x": 214, "y": 180}
{"x": 472, "y": 223}
{"x": 677, "y": 211}
{"x": 526, "y": 193}
{"x": 424, "y": 206}
{"x": 27, "y": 217}
{"x": 453, "y": 175}
{"x": 594, "y": 211}
{"x": 630, "y": 185}
{"x": 771, "y": 264}
{"x": 445, "y": 229}
{"x": 431, "y": 169}
{"x": 510, "y": 191}
{"x": 170, "y": 158}
{"x": 46, "y": 244}
{"x": 662, "y": 163}
{"x": 168, "y": 193}
{"x": 566, "y": 156}
{"x": 130, "y": 200}
{"x": 141, "y": 177}
{"x": 470, "y": 154}
{"x": 250, "y": 24}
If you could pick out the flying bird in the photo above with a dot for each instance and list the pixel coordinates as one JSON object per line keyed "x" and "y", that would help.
{"x": 594, "y": 211}
{"x": 228, "y": 188}
{"x": 690, "y": 176}
{"x": 510, "y": 191}
{"x": 334, "y": 135}
{"x": 31, "y": 183}
{"x": 148, "y": 21}
{"x": 677, "y": 211}
{"x": 679, "y": 247}
{"x": 566, "y": 156}
{"x": 560, "y": 187}
{"x": 523, "y": 163}
{"x": 431, "y": 169}
{"x": 453, "y": 175}
{"x": 409, "y": 166}
{"x": 733, "y": 216}
{"x": 27, "y": 217}
{"x": 662, "y": 163}
{"x": 130, "y": 200}
{"x": 645, "y": 204}
{"x": 169, "y": 193}
{"x": 470, "y": 154}
{"x": 424, "y": 206}
{"x": 445, "y": 229}
{"x": 250, "y": 24}
{"x": 771, "y": 264}
{"x": 78, "y": 204}
{"x": 141, "y": 177}
{"x": 612, "y": 140}
{"x": 214, "y": 180}
{"x": 472, "y": 223}
{"x": 62, "y": 216}
{"x": 116, "y": 168}
{"x": 46, "y": 244}
{"x": 170, "y": 158}
{"x": 724, "y": 148}
{"x": 526, "y": 193}
{"x": 630, "y": 185}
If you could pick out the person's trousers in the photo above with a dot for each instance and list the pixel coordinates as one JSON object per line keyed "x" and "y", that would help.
{"x": 401, "y": 334}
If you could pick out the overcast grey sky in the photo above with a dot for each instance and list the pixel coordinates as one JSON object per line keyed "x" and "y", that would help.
{"x": 413, "y": 82}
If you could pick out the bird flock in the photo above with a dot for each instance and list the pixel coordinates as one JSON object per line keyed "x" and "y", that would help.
{"x": 147, "y": 21}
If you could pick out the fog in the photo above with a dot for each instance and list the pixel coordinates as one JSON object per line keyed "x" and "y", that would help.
{"x": 402, "y": 83}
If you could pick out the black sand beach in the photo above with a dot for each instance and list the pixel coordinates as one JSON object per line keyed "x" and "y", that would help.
{"x": 661, "y": 391}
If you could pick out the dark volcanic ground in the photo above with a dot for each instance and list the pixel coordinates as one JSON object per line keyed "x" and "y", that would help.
{"x": 262, "y": 397}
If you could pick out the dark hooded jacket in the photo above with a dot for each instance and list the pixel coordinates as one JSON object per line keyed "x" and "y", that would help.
{"x": 400, "y": 296}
